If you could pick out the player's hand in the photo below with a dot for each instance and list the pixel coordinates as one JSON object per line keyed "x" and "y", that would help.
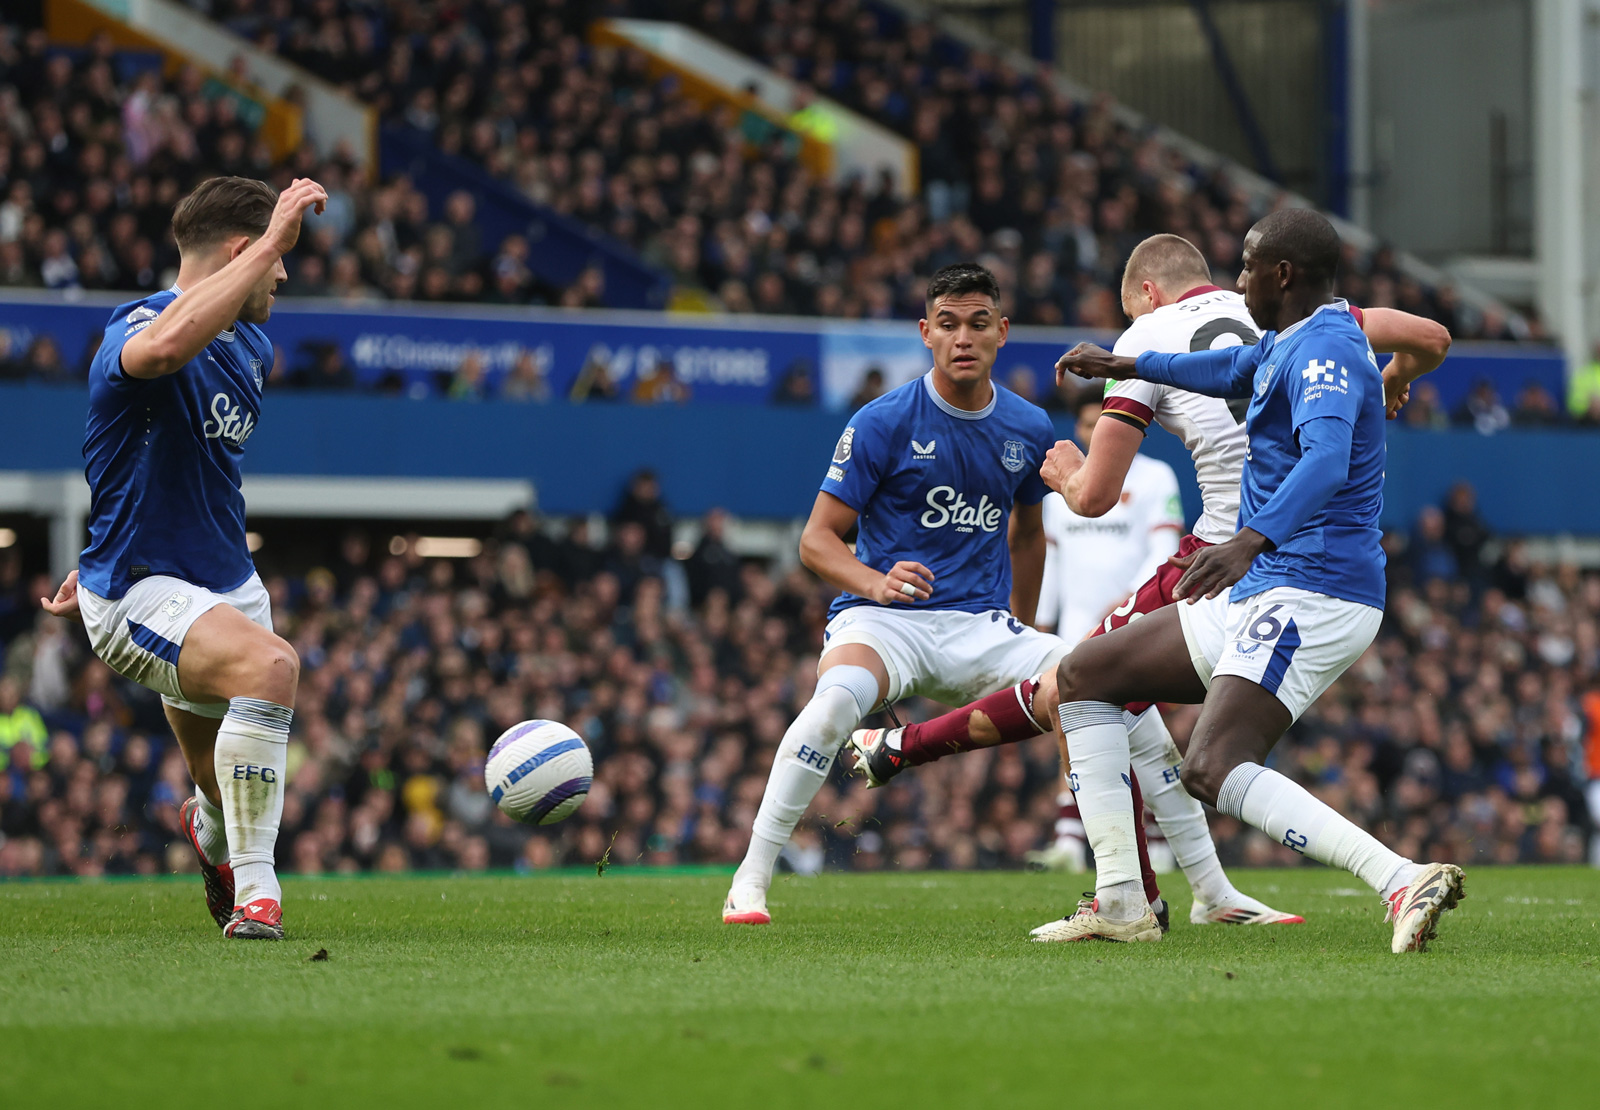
{"x": 65, "y": 603}
{"x": 905, "y": 582}
{"x": 1089, "y": 361}
{"x": 1211, "y": 570}
{"x": 1061, "y": 462}
{"x": 283, "y": 231}
{"x": 1396, "y": 392}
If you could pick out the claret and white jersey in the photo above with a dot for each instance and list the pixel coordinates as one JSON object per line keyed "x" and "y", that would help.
{"x": 1093, "y": 564}
{"x": 1204, "y": 319}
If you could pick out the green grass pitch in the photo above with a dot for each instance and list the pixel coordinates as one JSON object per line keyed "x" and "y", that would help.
{"x": 915, "y": 990}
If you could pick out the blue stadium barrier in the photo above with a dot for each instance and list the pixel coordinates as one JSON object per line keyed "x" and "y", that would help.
{"x": 721, "y": 359}
{"x": 755, "y": 462}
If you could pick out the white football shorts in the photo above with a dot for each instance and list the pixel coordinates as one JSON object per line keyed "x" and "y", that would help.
{"x": 944, "y": 654}
{"x": 140, "y": 634}
{"x": 1291, "y": 642}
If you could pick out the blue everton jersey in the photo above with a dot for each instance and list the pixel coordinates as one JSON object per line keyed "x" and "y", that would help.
{"x": 163, "y": 457}
{"x": 1316, "y": 397}
{"x": 935, "y": 484}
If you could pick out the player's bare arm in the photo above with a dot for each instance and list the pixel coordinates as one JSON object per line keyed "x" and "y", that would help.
{"x": 825, "y": 554}
{"x": 1418, "y": 344}
{"x": 1025, "y": 538}
{"x": 1092, "y": 483}
{"x": 235, "y": 270}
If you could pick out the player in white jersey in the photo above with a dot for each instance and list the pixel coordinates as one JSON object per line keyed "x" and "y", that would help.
{"x": 166, "y": 587}
{"x": 1092, "y": 564}
{"x": 1167, "y": 292}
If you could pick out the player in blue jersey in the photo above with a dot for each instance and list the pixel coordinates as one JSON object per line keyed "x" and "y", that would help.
{"x": 942, "y": 478}
{"x": 1268, "y": 620}
{"x": 166, "y": 588}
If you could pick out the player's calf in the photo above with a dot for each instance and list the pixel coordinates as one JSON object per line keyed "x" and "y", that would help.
{"x": 227, "y": 657}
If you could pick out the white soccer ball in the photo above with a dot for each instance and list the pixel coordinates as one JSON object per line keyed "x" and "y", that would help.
{"x": 539, "y": 772}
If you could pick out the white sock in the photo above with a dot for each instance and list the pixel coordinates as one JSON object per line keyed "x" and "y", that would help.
{"x": 1291, "y": 815}
{"x": 844, "y": 695}
{"x": 1156, "y": 760}
{"x": 251, "y": 760}
{"x": 1097, "y": 740}
{"x": 211, "y": 830}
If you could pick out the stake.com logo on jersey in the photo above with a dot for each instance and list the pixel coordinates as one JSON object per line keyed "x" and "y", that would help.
{"x": 946, "y": 507}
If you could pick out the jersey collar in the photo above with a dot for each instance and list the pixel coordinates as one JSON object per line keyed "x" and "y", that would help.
{"x": 1338, "y": 304}
{"x": 951, "y": 410}
{"x": 1200, "y": 291}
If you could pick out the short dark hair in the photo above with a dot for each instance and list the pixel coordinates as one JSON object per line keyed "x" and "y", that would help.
{"x": 220, "y": 207}
{"x": 1301, "y": 237}
{"x": 1088, "y": 395}
{"x": 963, "y": 277}
{"x": 1168, "y": 261}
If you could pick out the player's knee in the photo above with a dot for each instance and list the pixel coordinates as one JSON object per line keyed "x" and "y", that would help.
{"x": 1202, "y": 774}
{"x": 1075, "y": 681}
{"x": 273, "y": 670}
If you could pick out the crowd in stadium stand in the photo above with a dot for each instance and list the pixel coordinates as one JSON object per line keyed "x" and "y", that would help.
{"x": 1467, "y": 733}
{"x": 1050, "y": 192}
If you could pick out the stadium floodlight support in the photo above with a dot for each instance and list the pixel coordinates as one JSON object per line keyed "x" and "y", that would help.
{"x": 1566, "y": 35}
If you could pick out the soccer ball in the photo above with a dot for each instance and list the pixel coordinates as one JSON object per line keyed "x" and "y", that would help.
{"x": 539, "y": 772}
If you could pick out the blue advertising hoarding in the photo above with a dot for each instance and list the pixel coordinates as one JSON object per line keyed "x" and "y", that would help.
{"x": 717, "y": 359}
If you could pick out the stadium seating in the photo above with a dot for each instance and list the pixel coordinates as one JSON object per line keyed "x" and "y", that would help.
{"x": 1460, "y": 736}
{"x": 1050, "y": 192}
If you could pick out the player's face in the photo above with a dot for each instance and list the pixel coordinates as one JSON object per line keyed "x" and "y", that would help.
{"x": 258, "y": 305}
{"x": 965, "y": 332}
{"x": 1258, "y": 282}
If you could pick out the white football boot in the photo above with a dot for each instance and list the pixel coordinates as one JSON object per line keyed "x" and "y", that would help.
{"x": 1415, "y": 909}
{"x": 1087, "y": 924}
{"x": 745, "y": 908}
{"x": 1240, "y": 909}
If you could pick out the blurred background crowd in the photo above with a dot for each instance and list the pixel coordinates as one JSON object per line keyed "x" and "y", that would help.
{"x": 1468, "y": 732}
{"x": 1049, "y": 191}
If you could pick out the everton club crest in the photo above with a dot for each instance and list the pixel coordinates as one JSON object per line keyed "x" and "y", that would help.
{"x": 1012, "y": 457}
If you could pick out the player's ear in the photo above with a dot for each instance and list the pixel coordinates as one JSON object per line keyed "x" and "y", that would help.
{"x": 1004, "y": 329}
{"x": 922, "y": 325}
{"x": 236, "y": 245}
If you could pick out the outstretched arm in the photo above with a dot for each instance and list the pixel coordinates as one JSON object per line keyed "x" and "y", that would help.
{"x": 1228, "y": 372}
{"x": 213, "y": 304}
{"x": 824, "y": 552}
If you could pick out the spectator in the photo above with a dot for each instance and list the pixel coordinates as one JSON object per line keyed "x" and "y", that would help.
{"x": 324, "y": 367}
{"x": 713, "y": 566}
{"x": 1482, "y": 410}
{"x": 1465, "y": 530}
{"x": 796, "y": 388}
{"x": 526, "y": 380}
{"x": 871, "y": 388}
{"x": 1536, "y": 408}
{"x": 19, "y": 724}
{"x": 641, "y": 504}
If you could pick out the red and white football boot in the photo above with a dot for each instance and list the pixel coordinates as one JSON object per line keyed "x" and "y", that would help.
{"x": 218, "y": 877}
